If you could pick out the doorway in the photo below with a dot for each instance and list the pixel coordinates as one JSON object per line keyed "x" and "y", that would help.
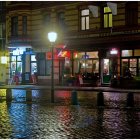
{"x": 16, "y": 66}
{"x": 106, "y": 71}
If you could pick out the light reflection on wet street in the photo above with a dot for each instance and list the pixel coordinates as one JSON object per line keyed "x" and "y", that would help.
{"x": 43, "y": 120}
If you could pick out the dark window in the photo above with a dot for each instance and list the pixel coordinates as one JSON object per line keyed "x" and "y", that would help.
{"x": 41, "y": 67}
{"x": 1, "y": 31}
{"x": 24, "y": 25}
{"x": 0, "y": 5}
{"x": 131, "y": 13}
{"x": 14, "y": 25}
{"x": 47, "y": 19}
{"x": 61, "y": 20}
{"x": 85, "y": 19}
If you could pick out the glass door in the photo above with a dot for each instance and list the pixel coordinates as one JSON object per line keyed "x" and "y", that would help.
{"x": 133, "y": 67}
{"x": 33, "y": 64}
{"x": 16, "y": 66}
{"x": 125, "y": 66}
{"x": 106, "y": 71}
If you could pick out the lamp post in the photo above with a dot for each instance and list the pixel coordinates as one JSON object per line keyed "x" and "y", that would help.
{"x": 52, "y": 36}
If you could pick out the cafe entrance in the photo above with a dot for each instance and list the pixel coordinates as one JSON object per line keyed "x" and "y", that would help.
{"x": 106, "y": 71}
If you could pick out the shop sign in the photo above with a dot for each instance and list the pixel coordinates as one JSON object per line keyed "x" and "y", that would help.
{"x": 85, "y": 56}
{"x": 114, "y": 51}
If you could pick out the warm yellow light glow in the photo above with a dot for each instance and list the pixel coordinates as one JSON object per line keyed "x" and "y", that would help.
{"x": 3, "y": 59}
{"x": 52, "y": 36}
{"x": 114, "y": 51}
{"x": 3, "y": 92}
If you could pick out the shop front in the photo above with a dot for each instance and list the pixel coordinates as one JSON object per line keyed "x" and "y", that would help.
{"x": 23, "y": 64}
{"x": 130, "y": 60}
{"x": 101, "y": 65}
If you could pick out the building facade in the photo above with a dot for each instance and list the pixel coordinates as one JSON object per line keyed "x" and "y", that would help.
{"x": 4, "y": 55}
{"x": 100, "y": 38}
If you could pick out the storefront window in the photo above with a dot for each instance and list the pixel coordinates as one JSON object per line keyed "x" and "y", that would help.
{"x": 124, "y": 66}
{"x": 92, "y": 54}
{"x": 133, "y": 65}
{"x": 33, "y": 68}
{"x": 137, "y": 52}
{"x": 81, "y": 55}
{"x": 106, "y": 67}
{"x": 13, "y": 66}
{"x": 33, "y": 64}
{"x": 19, "y": 67}
{"x": 126, "y": 53}
{"x": 16, "y": 66}
{"x": 33, "y": 58}
{"x": 89, "y": 66}
{"x": 13, "y": 58}
{"x": 133, "y": 62}
{"x": 19, "y": 58}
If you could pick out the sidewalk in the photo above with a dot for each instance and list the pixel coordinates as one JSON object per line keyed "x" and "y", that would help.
{"x": 70, "y": 88}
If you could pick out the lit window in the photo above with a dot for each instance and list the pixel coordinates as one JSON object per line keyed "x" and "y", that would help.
{"x": 137, "y": 52}
{"x": 126, "y": 53}
{"x": 33, "y": 57}
{"x": 92, "y": 54}
{"x": 85, "y": 19}
{"x": 107, "y": 17}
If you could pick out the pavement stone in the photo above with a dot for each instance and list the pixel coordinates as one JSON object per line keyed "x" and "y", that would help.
{"x": 41, "y": 119}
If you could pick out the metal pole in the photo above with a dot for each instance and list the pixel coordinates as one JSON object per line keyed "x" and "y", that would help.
{"x": 52, "y": 78}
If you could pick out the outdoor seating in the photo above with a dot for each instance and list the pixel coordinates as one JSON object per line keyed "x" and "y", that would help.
{"x": 83, "y": 83}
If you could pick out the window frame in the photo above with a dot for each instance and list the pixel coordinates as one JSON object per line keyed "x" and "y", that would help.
{"x": 86, "y": 17}
{"x": 47, "y": 19}
{"x": 14, "y": 25}
{"x": 60, "y": 19}
{"x": 108, "y": 18}
{"x": 24, "y": 25}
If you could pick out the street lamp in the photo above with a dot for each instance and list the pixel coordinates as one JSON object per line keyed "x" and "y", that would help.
{"x": 52, "y": 36}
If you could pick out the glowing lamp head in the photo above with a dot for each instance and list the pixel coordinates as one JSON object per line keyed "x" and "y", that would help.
{"x": 52, "y": 36}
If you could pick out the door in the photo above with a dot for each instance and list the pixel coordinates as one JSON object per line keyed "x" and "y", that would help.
{"x": 106, "y": 71}
{"x": 61, "y": 71}
{"x": 16, "y": 66}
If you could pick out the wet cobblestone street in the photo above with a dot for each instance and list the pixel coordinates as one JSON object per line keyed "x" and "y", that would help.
{"x": 41, "y": 119}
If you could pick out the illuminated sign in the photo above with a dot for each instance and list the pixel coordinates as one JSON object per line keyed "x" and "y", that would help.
{"x": 114, "y": 51}
{"x": 18, "y": 51}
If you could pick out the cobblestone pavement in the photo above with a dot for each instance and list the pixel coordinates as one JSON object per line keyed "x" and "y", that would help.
{"x": 41, "y": 119}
